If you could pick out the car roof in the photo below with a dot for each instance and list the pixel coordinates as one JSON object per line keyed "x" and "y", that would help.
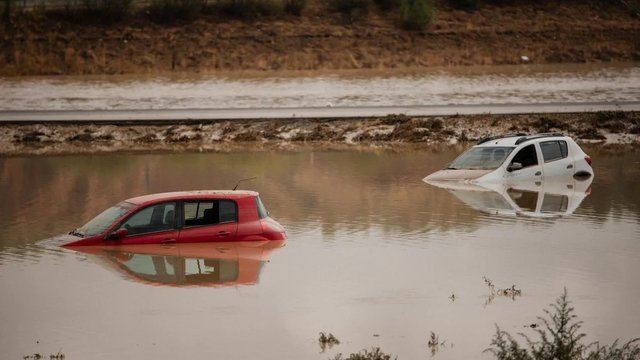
{"x": 191, "y": 195}
{"x": 515, "y": 140}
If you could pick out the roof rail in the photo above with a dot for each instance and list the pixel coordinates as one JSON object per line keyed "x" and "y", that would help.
{"x": 537, "y": 136}
{"x": 490, "y": 138}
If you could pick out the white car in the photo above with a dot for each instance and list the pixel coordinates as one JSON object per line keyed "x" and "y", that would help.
{"x": 536, "y": 199}
{"x": 513, "y": 158}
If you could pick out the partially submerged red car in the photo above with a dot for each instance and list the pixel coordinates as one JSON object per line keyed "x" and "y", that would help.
{"x": 180, "y": 217}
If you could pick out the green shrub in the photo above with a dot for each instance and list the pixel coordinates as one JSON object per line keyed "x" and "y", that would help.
{"x": 387, "y": 4}
{"x": 295, "y": 7}
{"x": 351, "y": 9}
{"x": 87, "y": 11}
{"x": 6, "y": 10}
{"x": 166, "y": 11}
{"x": 560, "y": 338}
{"x": 107, "y": 10}
{"x": 416, "y": 14}
{"x": 248, "y": 9}
{"x": 633, "y": 6}
{"x": 464, "y": 4}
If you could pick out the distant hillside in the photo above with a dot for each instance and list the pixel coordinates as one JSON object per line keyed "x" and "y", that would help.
{"x": 254, "y": 36}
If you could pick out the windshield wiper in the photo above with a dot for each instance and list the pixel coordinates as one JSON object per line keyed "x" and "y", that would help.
{"x": 76, "y": 233}
{"x": 451, "y": 168}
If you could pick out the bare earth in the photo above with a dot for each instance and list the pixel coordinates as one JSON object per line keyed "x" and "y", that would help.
{"x": 608, "y": 129}
{"x": 546, "y": 32}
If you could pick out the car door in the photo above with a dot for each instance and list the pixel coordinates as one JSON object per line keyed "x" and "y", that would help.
{"x": 531, "y": 170}
{"x": 209, "y": 221}
{"x": 154, "y": 224}
{"x": 557, "y": 163}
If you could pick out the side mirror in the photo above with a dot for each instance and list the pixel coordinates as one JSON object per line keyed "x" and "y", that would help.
{"x": 118, "y": 234}
{"x": 514, "y": 166}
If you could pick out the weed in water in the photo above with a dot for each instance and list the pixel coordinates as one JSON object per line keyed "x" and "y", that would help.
{"x": 58, "y": 356}
{"x": 488, "y": 282}
{"x": 511, "y": 292}
{"x": 327, "y": 341}
{"x": 434, "y": 343}
{"x": 374, "y": 354}
{"x": 560, "y": 338}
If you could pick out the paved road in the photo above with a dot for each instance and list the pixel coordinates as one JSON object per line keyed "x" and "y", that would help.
{"x": 197, "y": 115}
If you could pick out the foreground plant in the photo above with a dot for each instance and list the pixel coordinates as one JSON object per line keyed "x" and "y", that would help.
{"x": 560, "y": 339}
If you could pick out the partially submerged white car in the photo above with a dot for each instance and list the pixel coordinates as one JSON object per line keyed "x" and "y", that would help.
{"x": 512, "y": 158}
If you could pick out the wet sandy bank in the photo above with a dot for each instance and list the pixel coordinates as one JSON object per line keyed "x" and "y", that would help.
{"x": 603, "y": 128}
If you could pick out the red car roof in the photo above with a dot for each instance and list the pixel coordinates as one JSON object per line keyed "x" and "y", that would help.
{"x": 191, "y": 195}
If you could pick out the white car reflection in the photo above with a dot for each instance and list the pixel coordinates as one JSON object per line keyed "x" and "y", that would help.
{"x": 539, "y": 199}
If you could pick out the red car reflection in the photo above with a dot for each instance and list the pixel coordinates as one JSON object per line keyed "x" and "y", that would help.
{"x": 211, "y": 265}
{"x": 180, "y": 217}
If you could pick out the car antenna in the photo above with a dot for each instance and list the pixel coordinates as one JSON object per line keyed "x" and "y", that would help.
{"x": 241, "y": 180}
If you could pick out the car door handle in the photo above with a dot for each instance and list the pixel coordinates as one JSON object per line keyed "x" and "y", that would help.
{"x": 570, "y": 166}
{"x": 168, "y": 241}
{"x": 538, "y": 173}
{"x": 223, "y": 233}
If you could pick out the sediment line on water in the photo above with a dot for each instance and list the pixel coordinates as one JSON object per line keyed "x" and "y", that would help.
{"x": 604, "y": 128}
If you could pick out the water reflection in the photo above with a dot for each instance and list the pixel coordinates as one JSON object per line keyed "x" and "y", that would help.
{"x": 536, "y": 199}
{"x": 207, "y": 264}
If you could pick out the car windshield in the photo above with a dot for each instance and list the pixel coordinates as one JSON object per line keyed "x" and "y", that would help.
{"x": 481, "y": 158}
{"x": 101, "y": 222}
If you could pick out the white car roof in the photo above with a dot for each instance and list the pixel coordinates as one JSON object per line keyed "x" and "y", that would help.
{"x": 511, "y": 140}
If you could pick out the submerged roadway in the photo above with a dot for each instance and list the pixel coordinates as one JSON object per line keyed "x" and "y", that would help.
{"x": 218, "y": 114}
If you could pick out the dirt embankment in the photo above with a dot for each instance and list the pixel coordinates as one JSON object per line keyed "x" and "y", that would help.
{"x": 605, "y": 128}
{"x": 543, "y": 32}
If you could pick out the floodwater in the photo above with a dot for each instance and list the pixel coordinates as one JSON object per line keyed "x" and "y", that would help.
{"x": 372, "y": 250}
{"x": 515, "y": 84}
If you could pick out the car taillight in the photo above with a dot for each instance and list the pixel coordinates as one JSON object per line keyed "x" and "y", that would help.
{"x": 588, "y": 159}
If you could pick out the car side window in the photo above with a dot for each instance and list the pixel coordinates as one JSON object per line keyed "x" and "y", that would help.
{"x": 228, "y": 211}
{"x": 553, "y": 150}
{"x": 527, "y": 156}
{"x": 153, "y": 218}
{"x": 199, "y": 213}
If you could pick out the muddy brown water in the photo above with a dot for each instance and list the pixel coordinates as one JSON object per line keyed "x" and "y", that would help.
{"x": 371, "y": 250}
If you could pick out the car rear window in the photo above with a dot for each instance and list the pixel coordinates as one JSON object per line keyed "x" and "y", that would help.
{"x": 210, "y": 212}
{"x": 553, "y": 150}
{"x": 262, "y": 211}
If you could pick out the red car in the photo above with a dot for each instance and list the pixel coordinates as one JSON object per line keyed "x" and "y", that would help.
{"x": 180, "y": 217}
